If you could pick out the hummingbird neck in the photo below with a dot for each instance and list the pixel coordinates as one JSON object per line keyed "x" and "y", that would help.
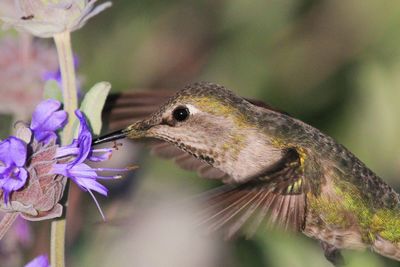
{"x": 247, "y": 153}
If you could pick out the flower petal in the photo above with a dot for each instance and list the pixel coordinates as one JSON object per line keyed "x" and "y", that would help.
{"x": 93, "y": 185}
{"x": 84, "y": 141}
{"x": 83, "y": 175}
{"x": 17, "y": 151}
{"x": 46, "y": 119}
{"x": 67, "y": 151}
{"x": 13, "y": 151}
{"x": 40, "y": 261}
{"x": 14, "y": 183}
{"x": 51, "y": 17}
{"x": 43, "y": 111}
{"x": 83, "y": 170}
{"x": 5, "y": 152}
{"x": 91, "y": 13}
{"x": 45, "y": 136}
{"x": 100, "y": 156}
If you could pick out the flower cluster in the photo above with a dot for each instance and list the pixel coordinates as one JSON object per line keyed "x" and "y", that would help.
{"x": 47, "y": 18}
{"x": 34, "y": 167}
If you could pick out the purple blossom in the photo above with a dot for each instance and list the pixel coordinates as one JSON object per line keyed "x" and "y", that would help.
{"x": 40, "y": 261}
{"x": 49, "y": 164}
{"x": 81, "y": 150}
{"x": 47, "y": 119}
{"x": 13, "y": 175}
{"x": 53, "y": 75}
{"x": 38, "y": 199}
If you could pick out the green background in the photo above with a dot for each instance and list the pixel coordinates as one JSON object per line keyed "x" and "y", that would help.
{"x": 333, "y": 64}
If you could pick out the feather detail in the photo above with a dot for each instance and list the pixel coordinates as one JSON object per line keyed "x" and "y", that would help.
{"x": 276, "y": 199}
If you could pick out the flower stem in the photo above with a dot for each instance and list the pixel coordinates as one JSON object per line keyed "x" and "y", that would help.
{"x": 66, "y": 61}
{"x": 57, "y": 243}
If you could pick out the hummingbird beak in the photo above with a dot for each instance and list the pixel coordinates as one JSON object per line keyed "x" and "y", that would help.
{"x": 120, "y": 134}
{"x": 134, "y": 131}
{"x": 138, "y": 129}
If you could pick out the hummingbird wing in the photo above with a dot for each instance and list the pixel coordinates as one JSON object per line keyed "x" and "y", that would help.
{"x": 122, "y": 109}
{"x": 275, "y": 198}
{"x": 127, "y": 107}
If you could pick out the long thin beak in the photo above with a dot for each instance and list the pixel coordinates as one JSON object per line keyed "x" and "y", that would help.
{"x": 110, "y": 137}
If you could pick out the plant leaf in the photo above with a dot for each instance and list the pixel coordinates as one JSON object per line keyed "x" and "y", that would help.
{"x": 93, "y": 103}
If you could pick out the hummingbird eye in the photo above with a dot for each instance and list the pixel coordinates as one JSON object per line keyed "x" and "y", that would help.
{"x": 180, "y": 113}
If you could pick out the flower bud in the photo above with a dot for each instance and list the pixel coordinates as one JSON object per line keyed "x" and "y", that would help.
{"x": 46, "y": 18}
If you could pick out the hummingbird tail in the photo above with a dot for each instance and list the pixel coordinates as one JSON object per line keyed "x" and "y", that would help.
{"x": 120, "y": 134}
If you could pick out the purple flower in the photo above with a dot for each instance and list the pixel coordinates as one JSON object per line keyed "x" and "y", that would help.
{"x": 53, "y": 75}
{"x": 49, "y": 165}
{"x": 81, "y": 150}
{"x": 47, "y": 119}
{"x": 38, "y": 199}
{"x": 13, "y": 175}
{"x": 40, "y": 261}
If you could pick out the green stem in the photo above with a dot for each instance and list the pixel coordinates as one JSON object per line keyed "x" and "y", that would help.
{"x": 57, "y": 242}
{"x": 66, "y": 62}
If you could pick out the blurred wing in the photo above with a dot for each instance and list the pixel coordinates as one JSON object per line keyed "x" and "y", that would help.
{"x": 277, "y": 198}
{"x": 128, "y": 107}
{"x": 123, "y": 109}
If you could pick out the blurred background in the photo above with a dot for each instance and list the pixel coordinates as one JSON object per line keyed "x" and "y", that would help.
{"x": 333, "y": 64}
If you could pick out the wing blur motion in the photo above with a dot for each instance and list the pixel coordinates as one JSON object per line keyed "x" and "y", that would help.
{"x": 125, "y": 108}
{"x": 276, "y": 198}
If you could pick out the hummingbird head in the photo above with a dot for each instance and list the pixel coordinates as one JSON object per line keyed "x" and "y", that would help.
{"x": 201, "y": 119}
{"x": 211, "y": 123}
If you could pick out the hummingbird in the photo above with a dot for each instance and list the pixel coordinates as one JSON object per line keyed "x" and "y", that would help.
{"x": 277, "y": 169}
